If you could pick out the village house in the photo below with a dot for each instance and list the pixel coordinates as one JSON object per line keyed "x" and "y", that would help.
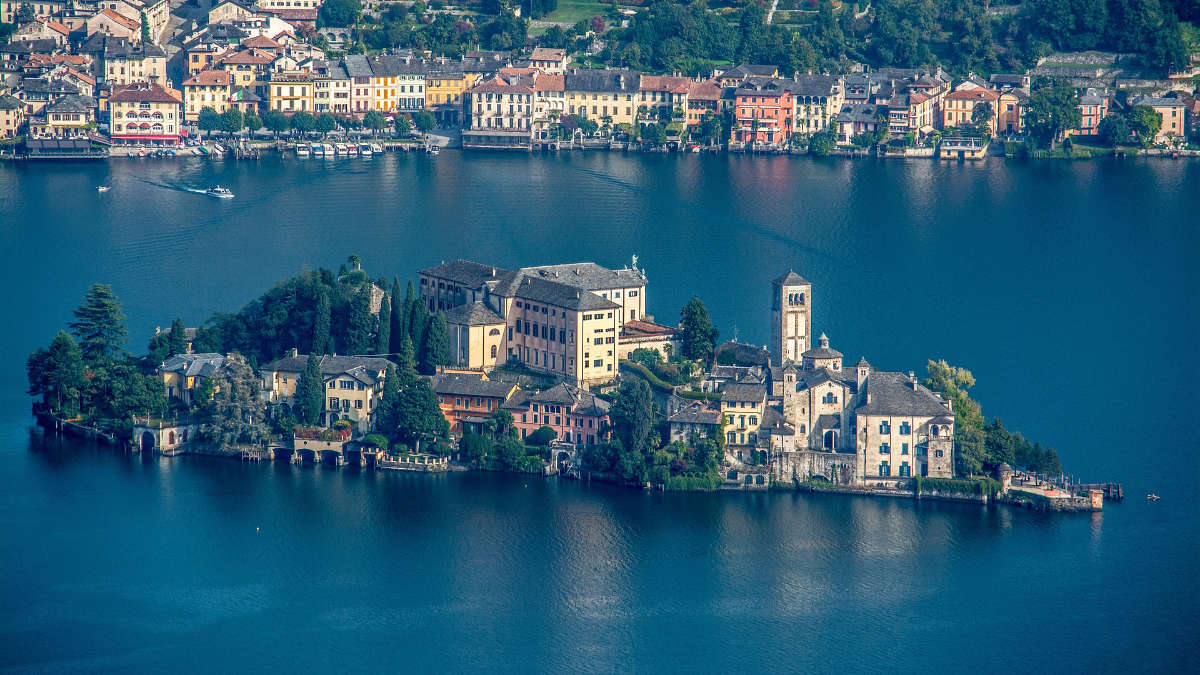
{"x": 958, "y": 108}
{"x": 1173, "y": 112}
{"x": 206, "y": 89}
{"x": 576, "y": 415}
{"x": 855, "y": 119}
{"x": 703, "y": 99}
{"x": 394, "y": 83}
{"x": 641, "y": 334}
{"x": 662, "y": 97}
{"x": 69, "y": 116}
{"x": 12, "y": 116}
{"x": 501, "y": 110}
{"x": 468, "y": 398}
{"x": 291, "y": 92}
{"x": 693, "y": 422}
{"x": 9, "y": 8}
{"x": 39, "y": 92}
{"x": 816, "y": 100}
{"x": 331, "y": 88}
{"x": 43, "y": 28}
{"x": 120, "y": 61}
{"x": 145, "y": 113}
{"x": 1011, "y": 107}
{"x": 446, "y": 82}
{"x": 742, "y": 406}
{"x": 157, "y": 13}
{"x": 763, "y": 112}
{"x": 202, "y": 56}
{"x": 181, "y": 374}
{"x": 353, "y": 386}
{"x": 549, "y": 103}
{"x": 552, "y": 61}
{"x": 734, "y": 77}
{"x": 604, "y": 96}
{"x": 562, "y": 320}
{"x": 112, "y": 23}
{"x": 476, "y": 335}
{"x": 249, "y": 68}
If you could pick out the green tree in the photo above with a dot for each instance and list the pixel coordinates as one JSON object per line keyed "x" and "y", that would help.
{"x": 821, "y": 143}
{"x": 509, "y": 453}
{"x": 177, "y": 338}
{"x": 399, "y": 327}
{"x": 56, "y": 374}
{"x": 406, "y": 363}
{"x": 237, "y": 413}
{"x": 435, "y": 349}
{"x": 403, "y": 125}
{"x": 253, "y": 121}
{"x": 654, "y": 134}
{"x": 303, "y": 122}
{"x": 232, "y": 121}
{"x": 359, "y": 324}
{"x": 1144, "y": 122}
{"x": 1053, "y": 108}
{"x": 475, "y": 449}
{"x": 387, "y": 416}
{"x": 982, "y": 116}
{"x": 541, "y": 436}
{"x": 276, "y": 122}
{"x": 321, "y": 318}
{"x": 99, "y": 325}
{"x": 310, "y": 392}
{"x": 952, "y": 383}
{"x": 1114, "y": 130}
{"x": 697, "y": 332}
{"x": 374, "y": 120}
{"x": 339, "y": 13}
{"x": 325, "y": 123}
{"x": 632, "y": 415}
{"x": 210, "y": 120}
{"x": 384, "y": 337}
{"x": 421, "y": 422}
{"x": 425, "y": 121}
{"x": 146, "y": 37}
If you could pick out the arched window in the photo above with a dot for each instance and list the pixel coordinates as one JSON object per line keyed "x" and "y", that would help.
{"x": 493, "y": 351}
{"x": 933, "y": 430}
{"x": 171, "y": 438}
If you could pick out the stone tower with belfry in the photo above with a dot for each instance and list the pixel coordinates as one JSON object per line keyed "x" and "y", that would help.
{"x": 791, "y": 317}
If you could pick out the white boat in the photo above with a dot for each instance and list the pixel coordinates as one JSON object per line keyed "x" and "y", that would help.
{"x": 218, "y": 148}
{"x": 103, "y": 188}
{"x": 318, "y": 150}
{"x": 377, "y": 148}
{"x": 329, "y": 150}
{"x": 346, "y": 149}
{"x": 302, "y": 150}
{"x": 219, "y": 192}
{"x": 432, "y": 149}
{"x": 364, "y": 149}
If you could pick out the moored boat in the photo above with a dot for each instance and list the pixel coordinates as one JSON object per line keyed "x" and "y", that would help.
{"x": 377, "y": 148}
{"x": 317, "y": 150}
{"x": 364, "y": 149}
{"x": 302, "y": 150}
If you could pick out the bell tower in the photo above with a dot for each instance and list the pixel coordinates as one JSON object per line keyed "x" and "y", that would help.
{"x": 791, "y": 317}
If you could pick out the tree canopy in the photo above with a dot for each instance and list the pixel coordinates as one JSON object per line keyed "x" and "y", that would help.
{"x": 697, "y": 333}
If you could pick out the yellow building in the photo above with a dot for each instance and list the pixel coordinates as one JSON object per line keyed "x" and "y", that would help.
{"x": 12, "y": 115}
{"x": 445, "y": 84}
{"x": 9, "y": 8}
{"x": 206, "y": 89}
{"x": 69, "y": 116}
{"x": 1173, "y": 112}
{"x": 476, "y": 336}
{"x": 958, "y": 108}
{"x": 1010, "y": 111}
{"x": 183, "y": 372}
{"x": 743, "y": 406}
{"x": 353, "y": 386}
{"x": 126, "y": 62}
{"x": 249, "y": 68}
{"x": 603, "y": 95}
{"x": 291, "y": 92}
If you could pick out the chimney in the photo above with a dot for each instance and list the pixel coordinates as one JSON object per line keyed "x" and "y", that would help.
{"x": 295, "y": 352}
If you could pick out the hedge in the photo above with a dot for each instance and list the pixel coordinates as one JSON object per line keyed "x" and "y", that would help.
{"x": 650, "y": 377}
{"x": 686, "y": 482}
{"x": 982, "y": 486}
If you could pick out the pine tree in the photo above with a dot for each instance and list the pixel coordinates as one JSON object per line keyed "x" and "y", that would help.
{"x": 418, "y": 320}
{"x": 177, "y": 340}
{"x": 406, "y": 360}
{"x": 310, "y": 392}
{"x": 387, "y": 420}
{"x": 99, "y": 325}
{"x": 697, "y": 332}
{"x": 237, "y": 413}
{"x": 57, "y": 373}
{"x": 419, "y": 419}
{"x": 321, "y": 324}
{"x": 399, "y": 318}
{"x": 435, "y": 350}
{"x": 384, "y": 345}
{"x": 358, "y": 329}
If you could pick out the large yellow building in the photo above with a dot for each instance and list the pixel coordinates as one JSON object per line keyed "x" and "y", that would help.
{"x": 12, "y": 115}
{"x": 958, "y": 108}
{"x": 743, "y": 406}
{"x": 603, "y": 95}
{"x": 353, "y": 386}
{"x": 206, "y": 89}
{"x": 291, "y": 92}
{"x": 181, "y": 374}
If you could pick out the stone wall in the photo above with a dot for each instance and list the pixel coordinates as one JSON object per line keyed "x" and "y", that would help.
{"x": 836, "y": 467}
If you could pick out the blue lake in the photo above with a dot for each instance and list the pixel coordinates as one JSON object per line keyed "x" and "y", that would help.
{"x": 1069, "y": 289}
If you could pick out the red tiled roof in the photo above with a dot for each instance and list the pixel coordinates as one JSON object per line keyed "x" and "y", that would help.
{"x": 973, "y": 95}
{"x": 261, "y": 42}
{"x": 505, "y": 84}
{"x": 250, "y": 57}
{"x": 150, "y": 92}
{"x": 545, "y": 82}
{"x": 55, "y": 26}
{"x": 707, "y": 90}
{"x": 123, "y": 20}
{"x": 209, "y": 78}
{"x": 667, "y": 83}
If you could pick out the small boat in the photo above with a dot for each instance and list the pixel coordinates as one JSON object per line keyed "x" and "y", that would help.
{"x": 329, "y": 150}
{"x": 364, "y": 149}
{"x": 318, "y": 150}
{"x": 219, "y": 192}
{"x": 1152, "y": 497}
{"x": 200, "y": 149}
{"x": 432, "y": 149}
{"x": 218, "y": 149}
{"x": 377, "y": 148}
{"x": 302, "y": 150}
{"x": 103, "y": 188}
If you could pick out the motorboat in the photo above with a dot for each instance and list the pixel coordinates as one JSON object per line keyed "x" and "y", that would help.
{"x": 433, "y": 149}
{"x": 302, "y": 150}
{"x": 377, "y": 148}
{"x": 219, "y": 192}
{"x": 318, "y": 150}
{"x": 103, "y": 188}
{"x": 329, "y": 150}
{"x": 364, "y": 149}
{"x": 1152, "y": 497}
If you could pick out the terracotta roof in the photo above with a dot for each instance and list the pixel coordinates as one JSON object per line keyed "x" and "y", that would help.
{"x": 55, "y": 26}
{"x": 123, "y": 20}
{"x": 209, "y": 78}
{"x": 548, "y": 54}
{"x": 707, "y": 90}
{"x": 546, "y": 82}
{"x": 82, "y": 76}
{"x": 261, "y": 41}
{"x": 150, "y": 92}
{"x": 512, "y": 70}
{"x": 249, "y": 57}
{"x": 667, "y": 83}
{"x": 973, "y": 95}
{"x": 505, "y": 84}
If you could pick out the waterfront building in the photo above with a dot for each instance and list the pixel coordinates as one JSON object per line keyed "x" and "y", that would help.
{"x": 903, "y": 429}
{"x": 663, "y": 97}
{"x": 39, "y": 92}
{"x": 446, "y": 82}
{"x": 331, "y": 88}
{"x": 703, "y": 98}
{"x": 1173, "y": 112}
{"x": 181, "y": 374}
{"x": 604, "y": 96}
{"x": 353, "y": 386}
{"x": 549, "y": 103}
{"x": 742, "y": 405}
{"x": 694, "y": 421}
{"x": 1093, "y": 107}
{"x": 576, "y": 415}
{"x": 501, "y": 110}
{"x": 958, "y": 108}
{"x": 206, "y": 89}
{"x": 362, "y": 88}
{"x": 291, "y": 92}
{"x": 763, "y": 112}
{"x": 856, "y": 118}
{"x": 468, "y": 398}
{"x": 1011, "y": 107}
{"x": 562, "y": 320}
{"x": 552, "y": 61}
{"x": 69, "y": 116}
{"x": 249, "y": 68}
{"x": 816, "y": 100}
{"x": 145, "y": 112}
{"x": 12, "y": 115}
{"x": 392, "y": 83}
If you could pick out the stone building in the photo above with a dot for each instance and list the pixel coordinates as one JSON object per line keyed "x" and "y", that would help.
{"x": 791, "y": 317}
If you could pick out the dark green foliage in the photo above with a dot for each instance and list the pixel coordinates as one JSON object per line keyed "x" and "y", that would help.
{"x": 1114, "y": 130}
{"x": 1145, "y": 123}
{"x": 418, "y": 321}
{"x": 509, "y": 454}
{"x": 209, "y": 119}
{"x": 325, "y": 123}
{"x": 387, "y": 416}
{"x": 232, "y": 121}
{"x": 310, "y": 392}
{"x": 361, "y": 323}
{"x": 697, "y": 333}
{"x": 424, "y": 121}
{"x": 275, "y": 121}
{"x": 632, "y": 415}
{"x": 339, "y": 13}
{"x": 321, "y": 317}
{"x": 99, "y": 325}
{"x": 1053, "y": 108}
{"x": 237, "y": 413}
{"x": 966, "y": 488}
{"x": 403, "y": 125}
{"x": 203, "y": 392}
{"x": 376, "y": 440}
{"x": 303, "y": 122}
{"x": 435, "y": 346}
{"x": 821, "y": 143}
{"x": 374, "y": 120}
{"x": 384, "y": 337}
{"x": 177, "y": 338}
{"x": 654, "y": 134}
{"x": 420, "y": 420}
{"x": 252, "y": 121}
{"x": 56, "y": 374}
{"x": 541, "y": 436}
{"x": 475, "y": 449}
{"x": 649, "y": 376}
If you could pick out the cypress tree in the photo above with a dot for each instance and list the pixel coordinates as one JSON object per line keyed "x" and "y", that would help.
{"x": 409, "y": 302}
{"x": 384, "y": 345}
{"x": 435, "y": 351}
{"x": 406, "y": 369}
{"x": 399, "y": 318}
{"x": 387, "y": 420}
{"x": 358, "y": 334}
{"x": 420, "y": 419}
{"x": 177, "y": 341}
{"x": 418, "y": 323}
{"x": 321, "y": 324}
{"x": 99, "y": 324}
{"x": 310, "y": 392}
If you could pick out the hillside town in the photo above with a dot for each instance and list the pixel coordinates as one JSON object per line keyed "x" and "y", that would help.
{"x": 553, "y": 369}
{"x": 90, "y": 79}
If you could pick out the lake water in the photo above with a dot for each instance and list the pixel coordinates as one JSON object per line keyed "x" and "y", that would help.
{"x": 1069, "y": 289}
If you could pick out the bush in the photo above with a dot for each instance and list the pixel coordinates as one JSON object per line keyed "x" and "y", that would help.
{"x": 668, "y": 372}
{"x": 967, "y": 488}
{"x": 654, "y": 380}
{"x": 694, "y": 481}
{"x": 541, "y": 436}
{"x": 377, "y": 440}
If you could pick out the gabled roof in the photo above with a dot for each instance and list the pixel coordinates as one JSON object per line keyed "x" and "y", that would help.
{"x": 472, "y": 314}
{"x": 465, "y": 273}
{"x": 743, "y": 392}
{"x": 578, "y": 401}
{"x": 121, "y": 19}
{"x": 209, "y": 78}
{"x": 751, "y": 70}
{"x": 555, "y": 293}
{"x": 790, "y": 279}
{"x": 588, "y": 275}
{"x": 610, "y": 80}
{"x": 894, "y": 394}
{"x": 331, "y": 365}
{"x": 505, "y": 84}
{"x": 973, "y": 95}
{"x": 10, "y": 103}
{"x": 470, "y": 384}
{"x": 261, "y": 42}
{"x": 546, "y": 82}
{"x": 548, "y": 54}
{"x": 708, "y": 90}
{"x": 194, "y": 365}
{"x": 696, "y": 413}
{"x": 72, "y": 103}
{"x": 666, "y": 83}
{"x": 144, "y": 92}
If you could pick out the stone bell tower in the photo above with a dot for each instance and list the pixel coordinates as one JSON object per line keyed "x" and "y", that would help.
{"x": 791, "y": 317}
